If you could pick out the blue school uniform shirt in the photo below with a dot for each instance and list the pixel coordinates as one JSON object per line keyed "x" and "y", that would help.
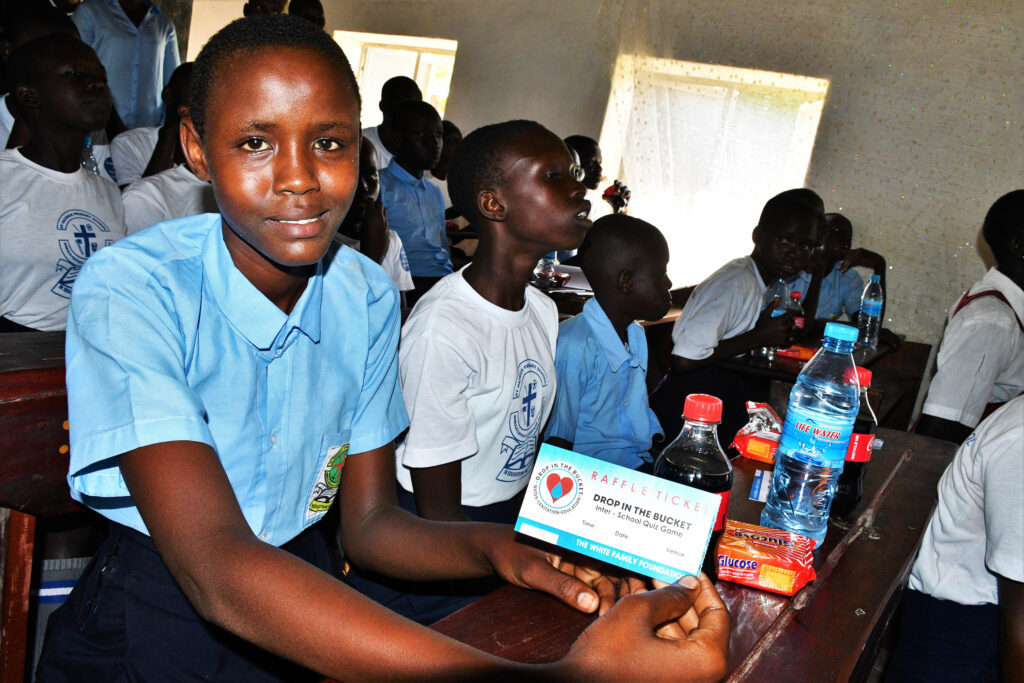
{"x": 139, "y": 59}
{"x": 416, "y": 212}
{"x": 167, "y": 341}
{"x": 840, "y": 293}
{"x": 601, "y": 405}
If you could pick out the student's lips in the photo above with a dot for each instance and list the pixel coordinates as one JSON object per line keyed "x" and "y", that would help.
{"x": 300, "y": 226}
{"x": 581, "y": 215}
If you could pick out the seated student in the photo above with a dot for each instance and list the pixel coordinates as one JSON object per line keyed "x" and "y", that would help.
{"x": 395, "y": 91}
{"x": 981, "y": 358}
{"x": 962, "y": 615}
{"x": 451, "y": 138}
{"x": 727, "y": 315}
{"x": 228, "y": 378}
{"x": 53, "y": 213}
{"x": 255, "y": 8}
{"x": 842, "y": 286}
{"x": 601, "y": 406}
{"x": 415, "y": 206}
{"x": 365, "y": 227}
{"x": 142, "y": 152}
{"x": 174, "y": 193}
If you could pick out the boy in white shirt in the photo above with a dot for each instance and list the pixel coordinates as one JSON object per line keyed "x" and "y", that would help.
{"x": 53, "y": 213}
{"x": 394, "y": 92}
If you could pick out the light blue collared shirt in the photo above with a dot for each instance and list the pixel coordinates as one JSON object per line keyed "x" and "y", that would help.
{"x": 416, "y": 212}
{"x": 139, "y": 59}
{"x": 168, "y": 341}
{"x": 840, "y": 293}
{"x": 601, "y": 404}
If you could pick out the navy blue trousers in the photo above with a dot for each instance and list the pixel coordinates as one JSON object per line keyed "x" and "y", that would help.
{"x": 127, "y": 620}
{"x": 940, "y": 640}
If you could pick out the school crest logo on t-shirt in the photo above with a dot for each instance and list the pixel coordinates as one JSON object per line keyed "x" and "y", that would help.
{"x": 520, "y": 444}
{"x": 326, "y": 487}
{"x": 83, "y": 240}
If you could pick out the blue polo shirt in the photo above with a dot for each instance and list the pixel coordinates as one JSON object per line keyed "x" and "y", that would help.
{"x": 601, "y": 404}
{"x": 168, "y": 341}
{"x": 416, "y": 212}
{"x": 840, "y": 293}
{"x": 139, "y": 59}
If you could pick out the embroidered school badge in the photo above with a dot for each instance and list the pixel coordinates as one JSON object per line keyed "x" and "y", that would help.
{"x": 326, "y": 487}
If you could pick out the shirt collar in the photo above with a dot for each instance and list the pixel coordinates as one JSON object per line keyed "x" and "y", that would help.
{"x": 608, "y": 339}
{"x": 994, "y": 279}
{"x": 395, "y": 169}
{"x": 261, "y": 322}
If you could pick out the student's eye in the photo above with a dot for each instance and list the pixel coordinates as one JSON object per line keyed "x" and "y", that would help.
{"x": 553, "y": 175}
{"x": 328, "y": 145}
{"x": 255, "y": 144}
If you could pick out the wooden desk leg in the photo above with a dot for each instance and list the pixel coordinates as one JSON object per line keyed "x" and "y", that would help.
{"x": 17, "y": 573}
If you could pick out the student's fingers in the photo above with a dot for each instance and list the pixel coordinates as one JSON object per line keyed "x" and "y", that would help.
{"x": 557, "y": 576}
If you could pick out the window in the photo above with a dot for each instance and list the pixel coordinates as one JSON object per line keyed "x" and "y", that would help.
{"x": 377, "y": 57}
{"x": 703, "y": 147}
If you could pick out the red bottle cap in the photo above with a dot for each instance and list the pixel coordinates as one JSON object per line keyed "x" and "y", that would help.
{"x": 703, "y": 408}
{"x": 861, "y": 375}
{"x": 795, "y": 295}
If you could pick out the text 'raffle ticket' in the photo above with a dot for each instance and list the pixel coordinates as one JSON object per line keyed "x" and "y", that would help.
{"x": 636, "y": 521}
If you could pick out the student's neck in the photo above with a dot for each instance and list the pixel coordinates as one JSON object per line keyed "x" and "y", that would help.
{"x": 383, "y": 133}
{"x": 282, "y": 285}
{"x": 1014, "y": 272}
{"x": 620, "y": 320}
{"x": 415, "y": 173}
{"x": 58, "y": 151}
{"x": 762, "y": 269}
{"x": 501, "y": 277}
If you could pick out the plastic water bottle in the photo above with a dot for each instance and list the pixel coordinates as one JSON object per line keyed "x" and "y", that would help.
{"x": 778, "y": 289}
{"x": 88, "y": 158}
{"x": 858, "y": 455}
{"x": 869, "y": 319}
{"x": 822, "y": 408}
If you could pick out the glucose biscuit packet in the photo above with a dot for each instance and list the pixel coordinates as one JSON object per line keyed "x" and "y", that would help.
{"x": 770, "y": 559}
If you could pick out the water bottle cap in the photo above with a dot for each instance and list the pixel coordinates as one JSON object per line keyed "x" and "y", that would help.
{"x": 861, "y": 375}
{"x": 876, "y": 278}
{"x": 795, "y": 295}
{"x": 703, "y": 408}
{"x": 841, "y": 332}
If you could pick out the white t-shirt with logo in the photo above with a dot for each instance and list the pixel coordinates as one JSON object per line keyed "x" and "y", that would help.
{"x": 50, "y": 223}
{"x": 174, "y": 193}
{"x": 131, "y": 151}
{"x": 479, "y": 384}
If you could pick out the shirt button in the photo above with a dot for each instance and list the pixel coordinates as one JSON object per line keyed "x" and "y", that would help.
{"x": 273, "y": 440}
{"x": 263, "y": 536}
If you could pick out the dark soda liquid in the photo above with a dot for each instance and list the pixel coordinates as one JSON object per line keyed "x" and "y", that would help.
{"x": 850, "y": 487}
{"x": 695, "y": 469}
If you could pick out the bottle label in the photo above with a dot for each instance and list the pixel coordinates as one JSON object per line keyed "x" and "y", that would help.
{"x": 872, "y": 307}
{"x": 798, "y": 322}
{"x": 723, "y": 507}
{"x": 860, "y": 447}
{"x": 815, "y": 438}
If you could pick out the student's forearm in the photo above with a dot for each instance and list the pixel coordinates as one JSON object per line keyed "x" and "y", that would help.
{"x": 163, "y": 153}
{"x": 1011, "y": 615}
{"x": 941, "y": 428}
{"x": 438, "y": 492}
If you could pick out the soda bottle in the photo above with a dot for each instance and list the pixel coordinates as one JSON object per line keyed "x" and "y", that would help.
{"x": 822, "y": 408}
{"x": 695, "y": 458}
{"x": 858, "y": 455}
{"x": 778, "y": 289}
{"x": 869, "y": 319}
{"x": 796, "y": 308}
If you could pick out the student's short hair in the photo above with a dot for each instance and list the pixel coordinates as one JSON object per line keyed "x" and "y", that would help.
{"x": 250, "y": 34}
{"x": 399, "y": 88}
{"x": 408, "y": 112}
{"x": 581, "y": 142}
{"x": 837, "y": 221}
{"x": 1004, "y": 222}
{"x": 27, "y": 63}
{"x": 478, "y": 163}
{"x": 807, "y": 196}
{"x": 25, "y": 18}
{"x": 181, "y": 76}
{"x": 784, "y": 207}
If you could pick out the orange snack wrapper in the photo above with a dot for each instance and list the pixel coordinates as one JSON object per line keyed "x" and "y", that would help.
{"x": 759, "y": 438}
{"x": 769, "y": 559}
{"x": 798, "y": 352}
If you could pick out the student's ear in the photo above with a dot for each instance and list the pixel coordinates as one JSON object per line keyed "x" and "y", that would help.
{"x": 754, "y": 233}
{"x": 625, "y": 282}
{"x": 26, "y": 96}
{"x": 491, "y": 206}
{"x": 192, "y": 146}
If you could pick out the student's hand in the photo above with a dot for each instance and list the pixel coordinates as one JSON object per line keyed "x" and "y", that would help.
{"x": 777, "y": 331}
{"x": 889, "y": 338}
{"x": 373, "y": 237}
{"x": 678, "y": 632}
{"x": 863, "y": 258}
{"x": 617, "y": 194}
{"x": 580, "y": 583}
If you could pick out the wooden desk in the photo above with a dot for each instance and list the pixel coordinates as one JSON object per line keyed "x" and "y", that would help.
{"x": 828, "y": 631}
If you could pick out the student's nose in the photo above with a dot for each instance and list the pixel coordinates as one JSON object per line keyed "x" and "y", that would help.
{"x": 294, "y": 170}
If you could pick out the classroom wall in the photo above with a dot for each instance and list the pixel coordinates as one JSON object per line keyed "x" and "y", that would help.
{"x": 921, "y": 129}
